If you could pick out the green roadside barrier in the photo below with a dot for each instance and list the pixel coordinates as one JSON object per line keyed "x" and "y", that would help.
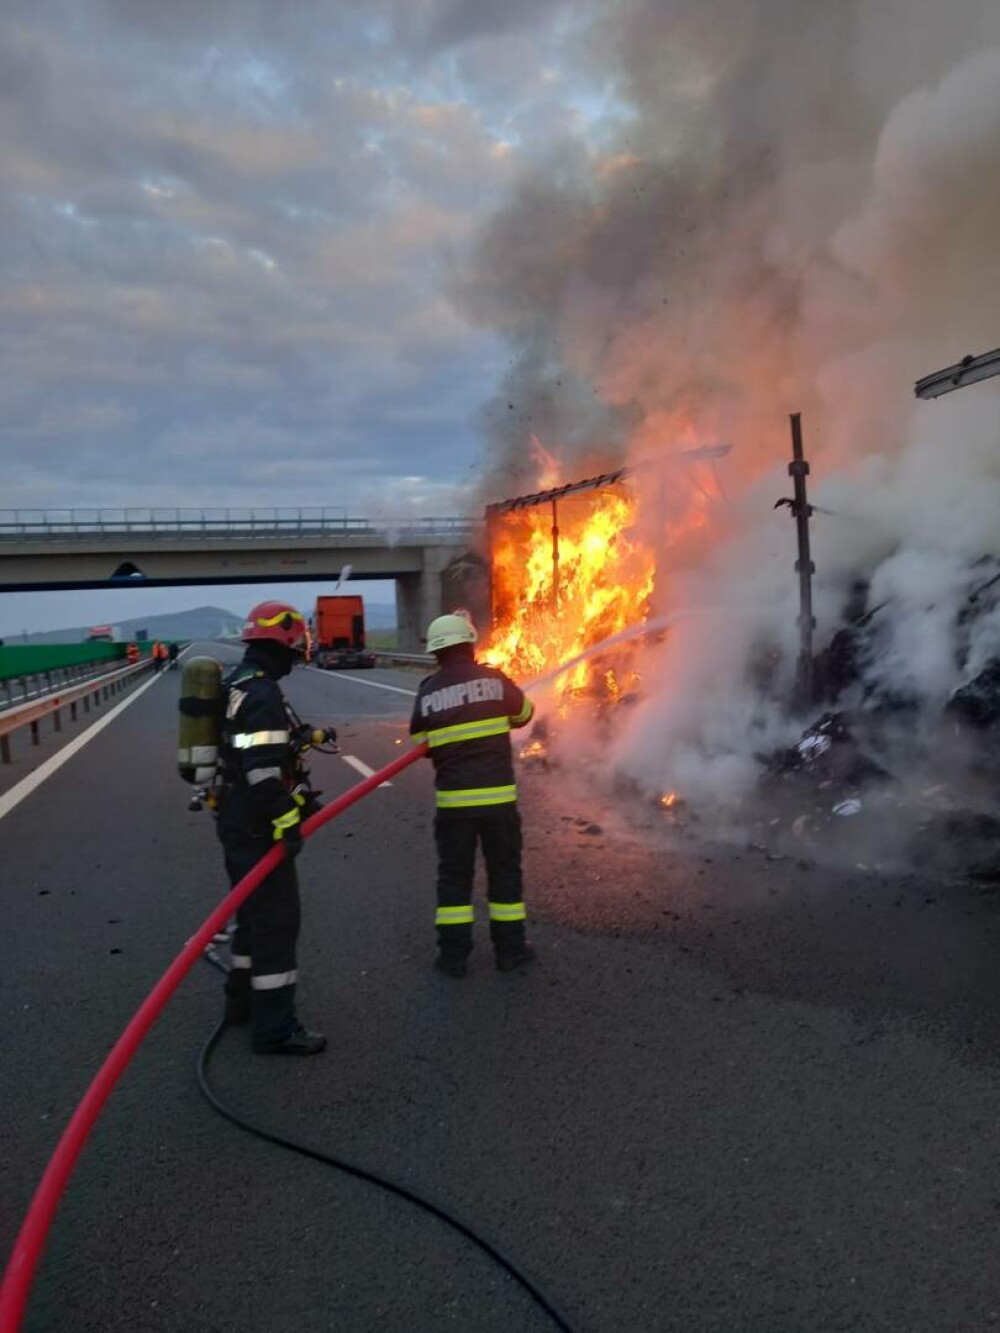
{"x": 29, "y": 659}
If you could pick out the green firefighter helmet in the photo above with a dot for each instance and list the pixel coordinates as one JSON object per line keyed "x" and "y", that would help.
{"x": 447, "y": 631}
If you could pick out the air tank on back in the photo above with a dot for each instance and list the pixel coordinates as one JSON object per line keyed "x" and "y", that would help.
{"x": 200, "y": 719}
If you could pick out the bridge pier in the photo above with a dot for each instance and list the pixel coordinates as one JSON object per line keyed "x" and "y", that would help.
{"x": 448, "y": 582}
{"x": 420, "y": 598}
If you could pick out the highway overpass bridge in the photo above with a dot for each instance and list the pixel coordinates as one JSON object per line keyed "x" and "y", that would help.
{"x": 105, "y": 548}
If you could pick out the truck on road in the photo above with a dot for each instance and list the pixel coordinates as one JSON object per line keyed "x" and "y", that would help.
{"x": 338, "y": 633}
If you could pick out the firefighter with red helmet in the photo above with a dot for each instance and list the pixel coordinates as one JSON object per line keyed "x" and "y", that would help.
{"x": 261, "y": 802}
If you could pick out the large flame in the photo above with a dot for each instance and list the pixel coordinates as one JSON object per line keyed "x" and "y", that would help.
{"x": 556, "y": 596}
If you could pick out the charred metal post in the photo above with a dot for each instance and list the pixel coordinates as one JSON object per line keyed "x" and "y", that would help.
{"x": 491, "y": 583}
{"x": 555, "y": 557}
{"x": 798, "y": 470}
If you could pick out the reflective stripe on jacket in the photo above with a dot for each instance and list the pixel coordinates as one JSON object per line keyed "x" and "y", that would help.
{"x": 465, "y": 712}
{"x": 256, "y": 747}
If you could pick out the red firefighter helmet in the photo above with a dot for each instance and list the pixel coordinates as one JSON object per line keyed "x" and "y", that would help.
{"x": 278, "y": 622}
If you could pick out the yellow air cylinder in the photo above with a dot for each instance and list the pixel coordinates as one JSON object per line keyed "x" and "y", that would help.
{"x": 200, "y": 719}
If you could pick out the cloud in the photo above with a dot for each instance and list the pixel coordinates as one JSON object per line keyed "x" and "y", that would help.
{"x": 434, "y": 25}
{"x": 225, "y": 235}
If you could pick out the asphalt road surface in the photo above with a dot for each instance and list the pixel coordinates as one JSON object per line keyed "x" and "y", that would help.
{"x": 736, "y": 1094}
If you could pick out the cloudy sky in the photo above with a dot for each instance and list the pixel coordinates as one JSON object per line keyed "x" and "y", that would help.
{"x": 358, "y": 253}
{"x": 227, "y": 234}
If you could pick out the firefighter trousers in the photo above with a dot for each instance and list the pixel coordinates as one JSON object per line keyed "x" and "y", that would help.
{"x": 458, "y": 833}
{"x": 264, "y": 968}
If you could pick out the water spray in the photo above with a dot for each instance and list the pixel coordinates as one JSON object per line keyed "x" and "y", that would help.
{"x": 595, "y": 650}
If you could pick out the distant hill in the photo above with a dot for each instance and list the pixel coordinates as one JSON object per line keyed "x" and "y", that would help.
{"x": 203, "y": 622}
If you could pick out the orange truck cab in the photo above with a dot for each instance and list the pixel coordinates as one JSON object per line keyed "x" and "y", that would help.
{"x": 338, "y": 633}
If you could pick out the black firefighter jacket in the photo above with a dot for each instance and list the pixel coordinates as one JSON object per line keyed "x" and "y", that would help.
{"x": 465, "y": 712}
{"x": 258, "y": 758}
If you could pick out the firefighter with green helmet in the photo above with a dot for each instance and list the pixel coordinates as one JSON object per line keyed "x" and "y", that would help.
{"x": 465, "y": 712}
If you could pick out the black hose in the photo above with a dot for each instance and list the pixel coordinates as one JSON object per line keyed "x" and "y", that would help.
{"x": 373, "y": 1178}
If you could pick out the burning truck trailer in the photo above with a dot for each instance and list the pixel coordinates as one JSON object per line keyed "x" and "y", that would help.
{"x": 567, "y": 572}
{"x": 567, "y": 569}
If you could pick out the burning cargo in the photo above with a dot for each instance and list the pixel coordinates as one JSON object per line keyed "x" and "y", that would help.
{"x": 567, "y": 572}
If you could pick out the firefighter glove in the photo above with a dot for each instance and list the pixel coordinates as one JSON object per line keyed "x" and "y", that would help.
{"x": 305, "y": 798}
{"x": 286, "y": 825}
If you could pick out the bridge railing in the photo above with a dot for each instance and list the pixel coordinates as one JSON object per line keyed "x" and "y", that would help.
{"x": 278, "y": 522}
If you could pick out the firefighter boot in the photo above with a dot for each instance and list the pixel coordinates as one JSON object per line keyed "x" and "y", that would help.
{"x": 298, "y": 1042}
{"x": 454, "y": 943}
{"x": 516, "y": 954}
{"x": 452, "y": 965}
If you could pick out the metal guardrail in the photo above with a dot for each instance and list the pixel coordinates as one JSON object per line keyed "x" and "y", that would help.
{"x": 30, "y": 714}
{"x": 46, "y": 682}
{"x": 279, "y": 523}
{"x": 406, "y": 659}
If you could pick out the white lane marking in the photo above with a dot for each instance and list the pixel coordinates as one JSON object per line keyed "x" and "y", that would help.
{"x": 27, "y": 785}
{"x": 370, "y": 684}
{"x": 361, "y": 767}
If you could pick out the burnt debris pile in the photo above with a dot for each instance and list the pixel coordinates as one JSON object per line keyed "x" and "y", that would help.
{"x": 900, "y": 763}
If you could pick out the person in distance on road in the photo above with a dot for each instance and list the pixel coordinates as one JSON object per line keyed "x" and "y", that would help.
{"x": 465, "y": 712}
{"x": 259, "y": 805}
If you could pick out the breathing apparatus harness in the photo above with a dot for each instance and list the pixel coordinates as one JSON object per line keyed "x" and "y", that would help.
{"x": 303, "y": 738}
{"x": 202, "y": 753}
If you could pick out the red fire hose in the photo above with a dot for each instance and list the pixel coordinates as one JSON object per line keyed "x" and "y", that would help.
{"x": 34, "y": 1230}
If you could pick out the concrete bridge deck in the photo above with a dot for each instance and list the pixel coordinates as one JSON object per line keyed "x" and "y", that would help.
{"x": 83, "y": 549}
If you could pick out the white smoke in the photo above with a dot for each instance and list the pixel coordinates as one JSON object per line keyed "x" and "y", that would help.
{"x": 804, "y": 214}
{"x": 910, "y": 282}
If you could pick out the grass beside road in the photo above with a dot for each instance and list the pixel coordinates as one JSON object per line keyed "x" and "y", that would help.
{"x": 384, "y": 640}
